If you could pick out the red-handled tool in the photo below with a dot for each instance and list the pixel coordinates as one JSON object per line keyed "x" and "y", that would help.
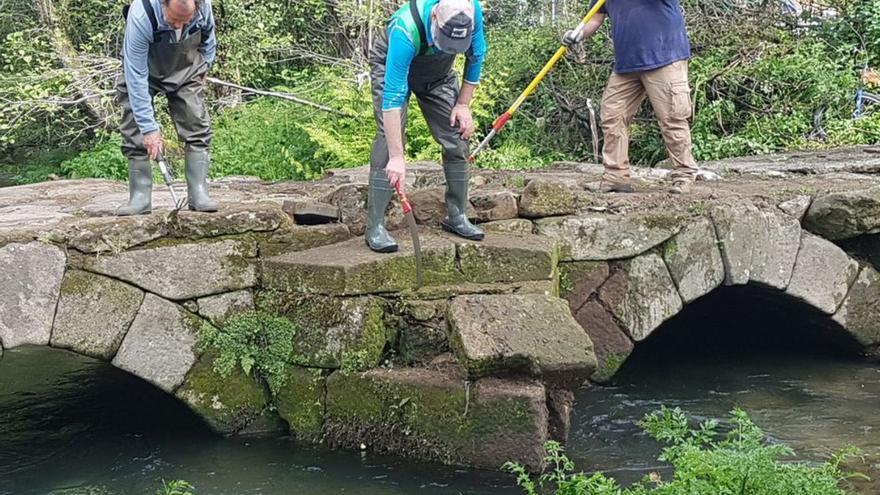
{"x": 413, "y": 231}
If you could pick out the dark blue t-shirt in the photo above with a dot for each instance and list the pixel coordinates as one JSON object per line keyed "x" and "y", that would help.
{"x": 647, "y": 34}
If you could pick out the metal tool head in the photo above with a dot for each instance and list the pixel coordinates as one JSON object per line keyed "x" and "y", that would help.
{"x": 410, "y": 220}
{"x": 168, "y": 176}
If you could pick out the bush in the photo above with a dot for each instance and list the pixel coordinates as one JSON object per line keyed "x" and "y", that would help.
{"x": 706, "y": 461}
{"x": 257, "y": 342}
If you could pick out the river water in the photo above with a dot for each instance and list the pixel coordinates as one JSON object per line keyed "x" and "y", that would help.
{"x": 73, "y": 425}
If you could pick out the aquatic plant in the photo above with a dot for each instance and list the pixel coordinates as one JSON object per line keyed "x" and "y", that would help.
{"x": 176, "y": 487}
{"x": 707, "y": 461}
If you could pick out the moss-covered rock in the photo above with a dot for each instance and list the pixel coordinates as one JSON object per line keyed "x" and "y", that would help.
{"x": 433, "y": 414}
{"x": 334, "y": 332}
{"x": 300, "y": 402}
{"x": 507, "y": 258}
{"x": 546, "y": 198}
{"x": 350, "y": 268}
{"x": 421, "y": 334}
{"x": 579, "y": 280}
{"x": 610, "y": 342}
{"x": 844, "y": 215}
{"x": 228, "y": 404}
{"x": 694, "y": 260}
{"x": 823, "y": 274}
{"x": 303, "y": 237}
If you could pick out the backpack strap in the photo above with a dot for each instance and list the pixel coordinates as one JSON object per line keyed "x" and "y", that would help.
{"x": 151, "y": 13}
{"x": 420, "y": 25}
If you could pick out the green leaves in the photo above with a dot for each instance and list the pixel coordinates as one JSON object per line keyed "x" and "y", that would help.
{"x": 706, "y": 461}
{"x": 259, "y": 343}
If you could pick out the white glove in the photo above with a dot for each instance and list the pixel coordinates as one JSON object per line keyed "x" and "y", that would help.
{"x": 569, "y": 38}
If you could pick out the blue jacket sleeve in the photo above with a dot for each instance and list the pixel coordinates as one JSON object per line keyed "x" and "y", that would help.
{"x": 401, "y": 52}
{"x": 135, "y": 50}
{"x": 474, "y": 57}
{"x": 209, "y": 42}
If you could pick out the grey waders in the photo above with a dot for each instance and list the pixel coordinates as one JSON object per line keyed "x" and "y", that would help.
{"x": 176, "y": 69}
{"x": 435, "y": 87}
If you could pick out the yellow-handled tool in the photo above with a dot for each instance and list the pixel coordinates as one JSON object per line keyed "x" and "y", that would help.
{"x": 505, "y": 117}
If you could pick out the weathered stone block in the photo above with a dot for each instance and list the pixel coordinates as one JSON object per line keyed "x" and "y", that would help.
{"x": 845, "y": 214}
{"x": 232, "y": 219}
{"x": 506, "y": 258}
{"x": 300, "y": 402}
{"x": 520, "y": 333}
{"x": 598, "y": 237}
{"x": 182, "y": 271}
{"x": 512, "y": 226}
{"x": 30, "y": 282}
{"x": 302, "y": 237}
{"x": 219, "y": 308}
{"x": 546, "y": 198}
{"x": 333, "y": 332}
{"x": 611, "y": 344}
{"x": 227, "y": 404}
{"x": 860, "y": 311}
{"x": 310, "y": 212}
{"x": 578, "y": 280}
{"x": 94, "y": 313}
{"x": 350, "y": 268}
{"x": 736, "y": 227}
{"x": 775, "y": 250}
{"x": 430, "y": 414}
{"x": 111, "y": 234}
{"x": 822, "y": 274}
{"x": 797, "y": 206}
{"x": 160, "y": 346}
{"x": 694, "y": 260}
{"x": 641, "y": 295}
{"x": 491, "y": 206}
{"x": 421, "y": 331}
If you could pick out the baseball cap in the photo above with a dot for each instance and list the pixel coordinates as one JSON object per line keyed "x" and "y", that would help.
{"x": 453, "y": 25}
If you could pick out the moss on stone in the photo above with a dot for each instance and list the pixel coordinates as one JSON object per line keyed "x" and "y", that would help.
{"x": 440, "y": 419}
{"x": 227, "y": 404}
{"x": 608, "y": 367}
{"x": 301, "y": 402}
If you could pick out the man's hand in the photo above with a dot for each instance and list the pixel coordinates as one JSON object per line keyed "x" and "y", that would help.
{"x": 461, "y": 116}
{"x": 569, "y": 38}
{"x": 153, "y": 144}
{"x": 396, "y": 171}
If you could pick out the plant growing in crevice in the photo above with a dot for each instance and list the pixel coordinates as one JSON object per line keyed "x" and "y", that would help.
{"x": 259, "y": 343}
{"x": 706, "y": 461}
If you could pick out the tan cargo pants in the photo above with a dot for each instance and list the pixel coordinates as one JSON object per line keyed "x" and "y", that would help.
{"x": 668, "y": 90}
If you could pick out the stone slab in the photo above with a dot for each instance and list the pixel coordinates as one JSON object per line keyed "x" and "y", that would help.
{"x": 694, "y": 260}
{"x": 94, "y": 314}
{"x": 160, "y": 346}
{"x": 641, "y": 295}
{"x": 30, "y": 284}
{"x": 822, "y": 274}
{"x": 509, "y": 334}
{"x": 600, "y": 237}
{"x": 182, "y": 271}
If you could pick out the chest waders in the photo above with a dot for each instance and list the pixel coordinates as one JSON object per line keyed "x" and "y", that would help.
{"x": 435, "y": 85}
{"x": 176, "y": 67}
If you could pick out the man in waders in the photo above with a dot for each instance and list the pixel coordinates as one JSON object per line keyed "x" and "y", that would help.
{"x": 651, "y": 52}
{"x": 169, "y": 46}
{"x": 415, "y": 56}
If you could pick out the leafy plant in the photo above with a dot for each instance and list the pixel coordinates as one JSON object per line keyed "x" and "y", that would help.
{"x": 706, "y": 461}
{"x": 176, "y": 487}
{"x": 257, "y": 342}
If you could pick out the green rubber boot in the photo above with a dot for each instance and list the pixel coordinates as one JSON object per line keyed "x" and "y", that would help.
{"x": 140, "y": 188}
{"x": 197, "y": 164}
{"x": 378, "y": 197}
{"x": 457, "y": 178}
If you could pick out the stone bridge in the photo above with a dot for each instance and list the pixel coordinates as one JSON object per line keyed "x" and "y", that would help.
{"x": 477, "y": 366}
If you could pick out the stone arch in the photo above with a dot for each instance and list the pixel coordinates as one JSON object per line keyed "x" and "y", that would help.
{"x": 621, "y": 302}
{"x": 92, "y": 307}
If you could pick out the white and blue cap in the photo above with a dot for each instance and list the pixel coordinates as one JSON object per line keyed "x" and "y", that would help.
{"x": 453, "y": 25}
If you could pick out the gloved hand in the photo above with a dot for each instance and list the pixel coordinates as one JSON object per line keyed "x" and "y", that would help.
{"x": 569, "y": 38}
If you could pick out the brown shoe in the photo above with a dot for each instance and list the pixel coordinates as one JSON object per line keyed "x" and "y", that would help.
{"x": 681, "y": 186}
{"x": 610, "y": 187}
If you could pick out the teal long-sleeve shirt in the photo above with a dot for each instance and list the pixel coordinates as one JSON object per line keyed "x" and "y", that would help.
{"x": 402, "y": 50}
{"x": 136, "y": 48}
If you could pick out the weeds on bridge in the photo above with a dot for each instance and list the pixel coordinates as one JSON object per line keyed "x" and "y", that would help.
{"x": 706, "y": 462}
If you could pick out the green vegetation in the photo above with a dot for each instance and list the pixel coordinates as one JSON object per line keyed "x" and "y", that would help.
{"x": 706, "y": 461}
{"x": 176, "y": 487}
{"x": 762, "y": 82}
{"x": 256, "y": 342}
